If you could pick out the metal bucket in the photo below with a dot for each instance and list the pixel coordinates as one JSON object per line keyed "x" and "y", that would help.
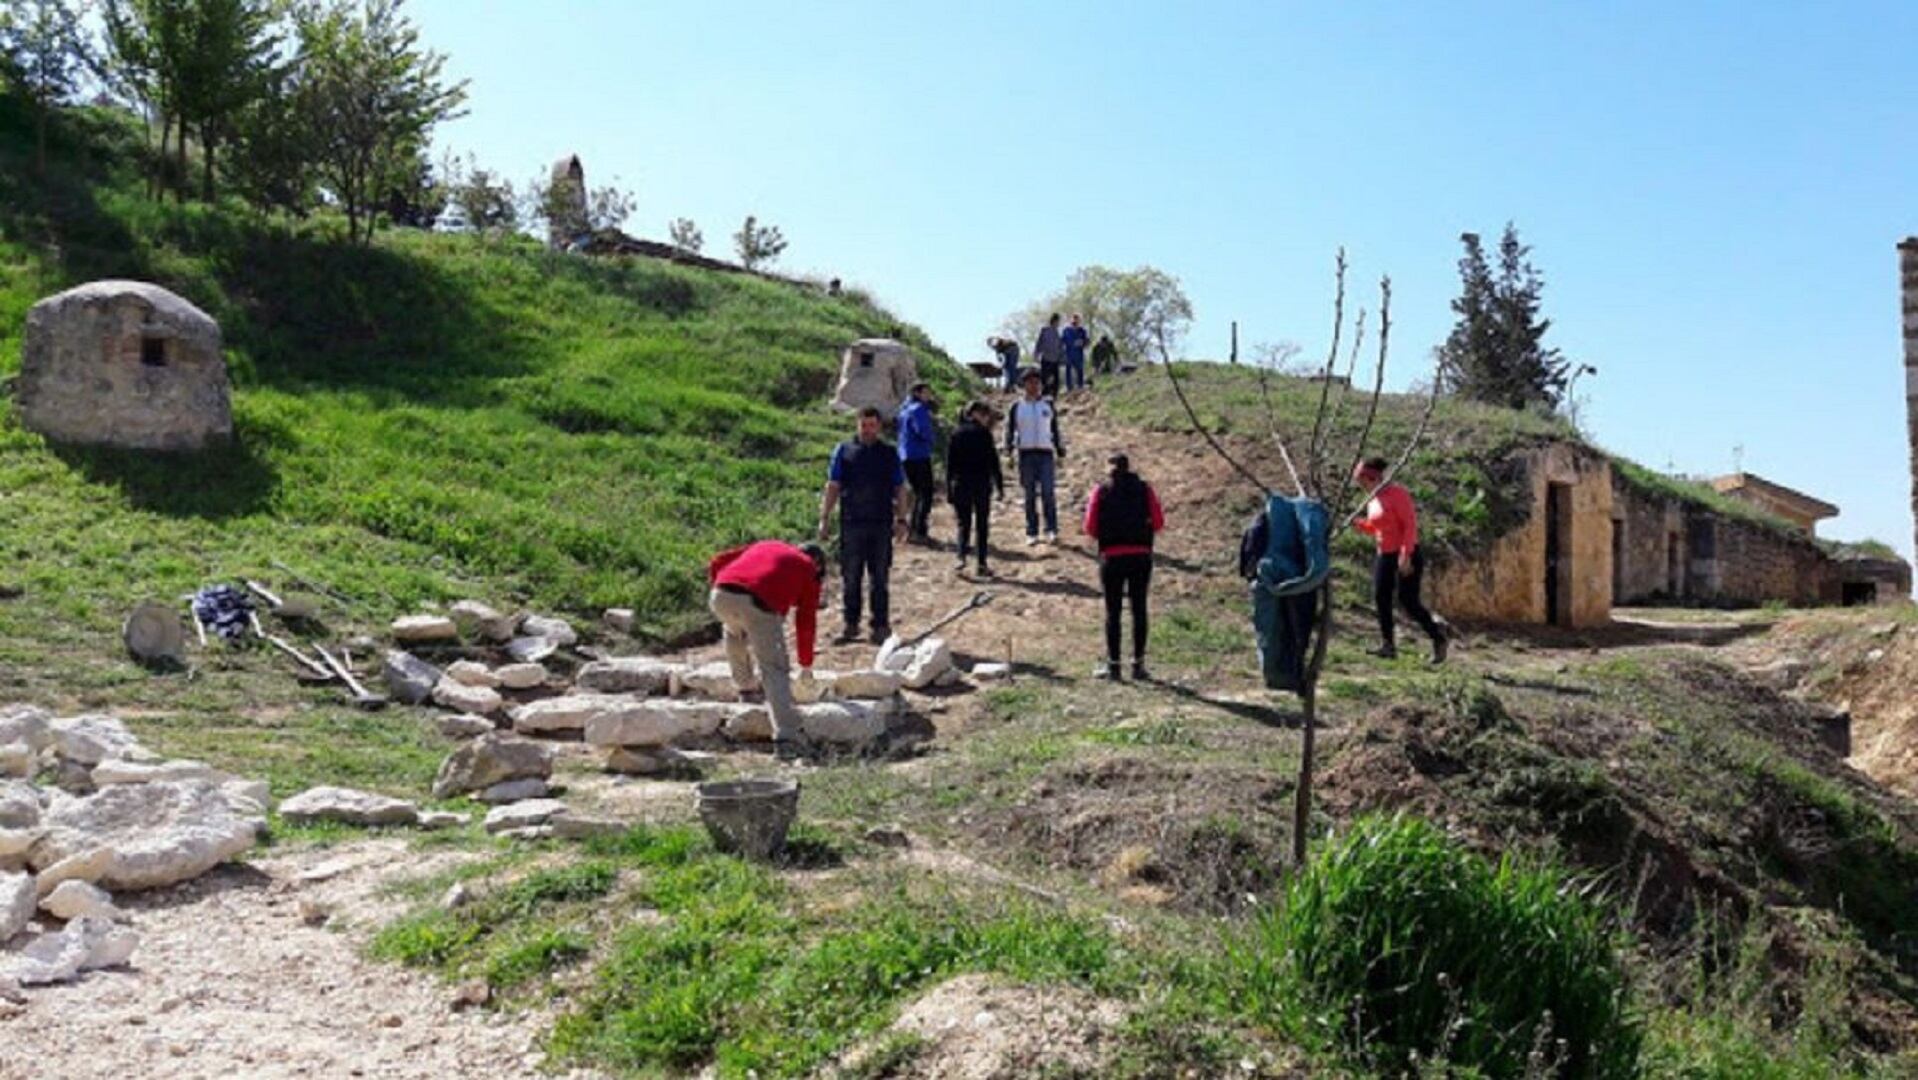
{"x": 748, "y": 817}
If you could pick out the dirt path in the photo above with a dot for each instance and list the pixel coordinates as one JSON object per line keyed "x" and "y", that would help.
{"x": 229, "y": 980}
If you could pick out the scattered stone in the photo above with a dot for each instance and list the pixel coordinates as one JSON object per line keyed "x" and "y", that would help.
{"x": 522, "y": 815}
{"x": 84, "y": 944}
{"x": 568, "y": 713}
{"x": 628, "y": 674}
{"x": 86, "y": 866}
{"x": 160, "y": 833}
{"x": 1874, "y": 656}
{"x": 443, "y": 819}
{"x": 556, "y": 630}
{"x": 530, "y": 650}
{"x": 714, "y": 680}
{"x": 248, "y": 796}
{"x": 408, "y": 678}
{"x": 569, "y": 826}
{"x": 133, "y": 772}
{"x": 950, "y": 677}
{"x": 465, "y": 726}
{"x": 72, "y": 777}
{"x": 472, "y": 673}
{"x": 512, "y": 791}
{"x": 749, "y": 723}
{"x": 73, "y": 899}
{"x": 19, "y": 805}
{"x": 472, "y": 994}
{"x": 18, "y": 898}
{"x": 1883, "y": 630}
{"x": 620, "y": 619}
{"x": 14, "y": 845}
{"x": 419, "y": 629}
{"x": 348, "y": 806}
{"x": 527, "y": 832}
{"x": 638, "y": 762}
{"x": 890, "y": 836}
{"x": 478, "y": 620}
{"x": 655, "y": 723}
{"x": 488, "y": 760}
{"x": 521, "y": 676}
{"x": 867, "y": 684}
{"x": 457, "y": 896}
{"x": 931, "y": 659}
{"x": 844, "y": 723}
{"x": 27, "y": 724}
{"x": 991, "y": 672}
{"x": 314, "y": 911}
{"x": 460, "y": 697}
{"x": 17, "y": 760}
{"x": 89, "y": 740}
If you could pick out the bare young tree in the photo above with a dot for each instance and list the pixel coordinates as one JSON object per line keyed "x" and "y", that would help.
{"x": 758, "y": 243}
{"x": 1317, "y": 484}
{"x": 686, "y": 236}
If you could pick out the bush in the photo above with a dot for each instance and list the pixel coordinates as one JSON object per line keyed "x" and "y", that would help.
{"x": 1396, "y": 946}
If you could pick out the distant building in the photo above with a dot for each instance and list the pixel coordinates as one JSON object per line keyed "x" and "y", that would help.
{"x": 1777, "y": 500}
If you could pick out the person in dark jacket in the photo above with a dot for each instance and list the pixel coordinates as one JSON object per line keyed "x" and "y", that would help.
{"x": 1049, "y": 351}
{"x": 1073, "y": 340}
{"x": 973, "y": 478}
{"x": 753, "y": 589}
{"x": 916, "y": 437}
{"x": 867, "y": 485}
{"x": 1008, "y": 352}
{"x": 1123, "y": 516}
{"x": 1105, "y": 356}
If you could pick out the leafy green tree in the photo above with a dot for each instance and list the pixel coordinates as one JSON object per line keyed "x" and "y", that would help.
{"x": 568, "y": 212}
{"x": 228, "y": 64}
{"x": 685, "y": 235}
{"x": 1139, "y": 308}
{"x": 42, "y": 56}
{"x": 482, "y": 200}
{"x": 1496, "y": 352}
{"x": 372, "y": 96}
{"x": 756, "y": 243}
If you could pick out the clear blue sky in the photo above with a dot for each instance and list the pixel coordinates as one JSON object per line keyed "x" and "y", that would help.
{"x": 1713, "y": 194}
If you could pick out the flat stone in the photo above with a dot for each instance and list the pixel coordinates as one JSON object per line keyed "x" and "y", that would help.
{"x": 160, "y": 833}
{"x": 620, "y": 619}
{"x": 655, "y": 723}
{"x": 89, "y": 740}
{"x": 627, "y": 674}
{"x": 443, "y": 819}
{"x": 749, "y": 724}
{"x": 84, "y": 944}
{"x": 991, "y": 672}
{"x": 460, "y": 697}
{"x": 86, "y": 866}
{"x": 135, "y": 772}
{"x": 530, "y": 650}
{"x": 419, "y": 629}
{"x": 465, "y": 726}
{"x": 18, "y": 899}
{"x": 519, "y": 815}
{"x": 472, "y": 673}
{"x": 349, "y": 806}
{"x": 714, "y": 680}
{"x": 512, "y": 791}
{"x": 931, "y": 659}
{"x": 15, "y": 843}
{"x": 408, "y": 678}
{"x": 479, "y": 620}
{"x": 843, "y": 723}
{"x": 28, "y": 724}
{"x": 527, "y": 832}
{"x": 638, "y": 762}
{"x": 867, "y": 684}
{"x": 556, "y": 630}
{"x": 19, "y": 804}
{"x": 17, "y": 759}
{"x": 568, "y": 713}
{"x": 570, "y": 826}
{"x": 491, "y": 759}
{"x": 73, "y": 899}
{"x": 248, "y": 796}
{"x": 521, "y": 676}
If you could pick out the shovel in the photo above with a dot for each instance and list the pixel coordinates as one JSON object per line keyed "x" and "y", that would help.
{"x": 895, "y": 642}
{"x": 369, "y": 702}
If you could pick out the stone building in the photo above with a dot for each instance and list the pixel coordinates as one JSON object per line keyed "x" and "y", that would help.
{"x": 1776, "y": 499}
{"x": 875, "y": 371}
{"x": 123, "y": 363}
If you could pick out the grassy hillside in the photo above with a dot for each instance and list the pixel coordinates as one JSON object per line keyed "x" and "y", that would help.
{"x": 579, "y": 433}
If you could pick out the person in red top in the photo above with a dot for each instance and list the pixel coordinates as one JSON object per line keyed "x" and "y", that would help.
{"x": 1394, "y": 522}
{"x": 753, "y": 589}
{"x": 1122, "y": 516}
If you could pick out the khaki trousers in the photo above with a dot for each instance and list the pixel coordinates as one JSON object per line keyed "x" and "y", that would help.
{"x": 754, "y": 634}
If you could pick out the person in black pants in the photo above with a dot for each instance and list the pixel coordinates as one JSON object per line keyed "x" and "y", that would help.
{"x": 867, "y": 486}
{"x": 973, "y": 478}
{"x": 1392, "y": 519}
{"x": 1123, "y": 516}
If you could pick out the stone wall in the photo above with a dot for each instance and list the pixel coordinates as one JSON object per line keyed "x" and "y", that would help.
{"x": 1507, "y": 583}
{"x": 1739, "y": 563}
{"x": 1908, "y": 279}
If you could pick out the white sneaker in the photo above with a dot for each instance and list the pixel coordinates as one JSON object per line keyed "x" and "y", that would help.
{"x": 1052, "y": 538}
{"x": 1031, "y": 540}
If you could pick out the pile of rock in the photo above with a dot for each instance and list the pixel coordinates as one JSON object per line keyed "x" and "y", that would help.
{"x": 115, "y": 818}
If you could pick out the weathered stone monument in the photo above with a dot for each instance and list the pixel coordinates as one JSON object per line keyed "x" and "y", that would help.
{"x": 124, "y": 363}
{"x": 875, "y": 371}
{"x": 1908, "y": 275}
{"x": 566, "y": 202}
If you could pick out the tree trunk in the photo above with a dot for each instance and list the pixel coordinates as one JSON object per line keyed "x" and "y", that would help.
{"x": 206, "y": 164}
{"x": 40, "y": 138}
{"x": 1309, "y": 696}
{"x": 181, "y": 169}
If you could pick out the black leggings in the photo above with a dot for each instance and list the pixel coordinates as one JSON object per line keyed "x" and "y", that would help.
{"x": 1388, "y": 584}
{"x": 1118, "y": 576}
{"x": 919, "y": 476}
{"x": 974, "y": 509}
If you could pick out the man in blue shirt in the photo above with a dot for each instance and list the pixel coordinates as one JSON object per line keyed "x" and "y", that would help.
{"x": 866, "y": 484}
{"x": 916, "y": 434}
{"x": 1073, "y": 340}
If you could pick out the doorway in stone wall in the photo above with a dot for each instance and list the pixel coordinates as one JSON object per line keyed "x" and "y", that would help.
{"x": 1558, "y": 554}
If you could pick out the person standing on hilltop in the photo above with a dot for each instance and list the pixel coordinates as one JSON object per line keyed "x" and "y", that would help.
{"x": 1073, "y": 340}
{"x": 916, "y": 437}
{"x": 1048, "y": 350}
{"x": 973, "y": 478}
{"x": 1032, "y": 432}
{"x": 1008, "y": 353}
{"x": 753, "y": 587}
{"x": 867, "y": 485}
{"x": 1391, "y": 518}
{"x": 1123, "y": 516}
{"x": 1105, "y": 356}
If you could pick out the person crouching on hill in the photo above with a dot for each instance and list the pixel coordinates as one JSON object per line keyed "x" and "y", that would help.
{"x": 753, "y": 589}
{"x": 1392, "y": 519}
{"x": 973, "y": 477}
{"x": 1122, "y": 517}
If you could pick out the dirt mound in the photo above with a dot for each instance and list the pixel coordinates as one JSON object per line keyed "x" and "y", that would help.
{"x": 977, "y": 1027}
{"x": 1867, "y": 665}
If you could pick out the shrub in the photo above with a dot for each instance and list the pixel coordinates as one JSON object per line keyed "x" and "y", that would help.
{"x": 1397, "y": 945}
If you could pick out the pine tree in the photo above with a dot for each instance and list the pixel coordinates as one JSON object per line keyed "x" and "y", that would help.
{"x": 1496, "y": 352}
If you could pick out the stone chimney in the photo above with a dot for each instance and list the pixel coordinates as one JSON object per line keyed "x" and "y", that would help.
{"x": 1908, "y": 279}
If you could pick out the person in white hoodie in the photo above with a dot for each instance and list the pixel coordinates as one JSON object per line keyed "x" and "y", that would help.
{"x": 1032, "y": 432}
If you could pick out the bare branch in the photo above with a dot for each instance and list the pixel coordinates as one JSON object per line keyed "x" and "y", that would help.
{"x": 1309, "y": 696}
{"x": 1315, "y": 466}
{"x": 1345, "y": 387}
{"x": 1272, "y": 427}
{"x": 1165, "y": 358}
{"x": 1418, "y": 434}
{"x": 1378, "y": 388}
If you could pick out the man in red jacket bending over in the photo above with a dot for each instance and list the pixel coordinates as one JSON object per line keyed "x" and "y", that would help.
{"x": 1390, "y": 517}
{"x": 753, "y": 589}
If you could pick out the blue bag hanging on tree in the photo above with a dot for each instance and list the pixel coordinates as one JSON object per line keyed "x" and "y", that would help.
{"x": 1291, "y": 541}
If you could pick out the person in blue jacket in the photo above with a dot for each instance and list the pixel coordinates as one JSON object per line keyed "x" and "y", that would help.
{"x": 916, "y": 436}
{"x": 1073, "y": 340}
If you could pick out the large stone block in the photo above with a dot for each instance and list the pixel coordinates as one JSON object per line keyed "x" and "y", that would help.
{"x": 656, "y": 723}
{"x": 160, "y": 833}
{"x": 627, "y": 674}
